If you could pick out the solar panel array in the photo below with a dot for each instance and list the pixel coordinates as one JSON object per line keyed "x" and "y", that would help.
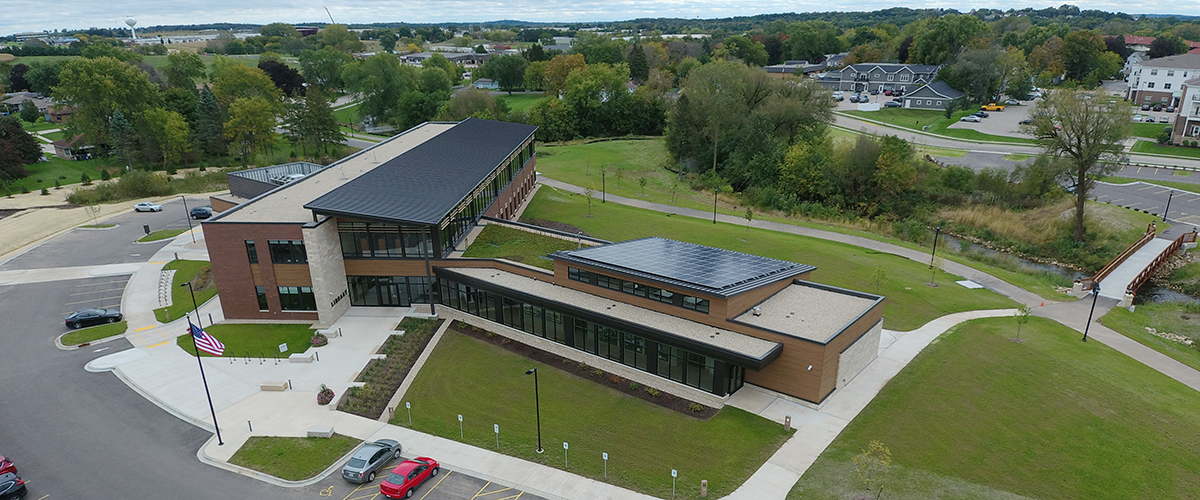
{"x": 699, "y": 265}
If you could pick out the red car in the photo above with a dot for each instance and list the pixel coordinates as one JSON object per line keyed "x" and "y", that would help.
{"x": 6, "y": 466}
{"x": 407, "y": 476}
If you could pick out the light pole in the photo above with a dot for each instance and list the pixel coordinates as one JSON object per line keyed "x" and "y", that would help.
{"x": 1168, "y": 210}
{"x": 188, "y": 215}
{"x": 196, "y": 309}
{"x": 538, "y": 406}
{"x": 1095, "y": 295}
{"x": 937, "y": 230}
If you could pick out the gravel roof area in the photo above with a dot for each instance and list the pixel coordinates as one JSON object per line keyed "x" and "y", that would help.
{"x": 809, "y": 311}
{"x": 287, "y": 204}
{"x": 697, "y": 332}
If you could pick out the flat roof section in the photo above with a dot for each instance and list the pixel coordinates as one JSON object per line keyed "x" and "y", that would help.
{"x": 810, "y": 311}
{"x": 425, "y": 183}
{"x": 710, "y": 270}
{"x": 686, "y": 330}
{"x": 286, "y": 203}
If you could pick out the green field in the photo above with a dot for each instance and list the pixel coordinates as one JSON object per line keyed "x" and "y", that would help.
{"x": 917, "y": 119}
{"x": 1163, "y": 149}
{"x": 40, "y": 124}
{"x": 161, "y": 234}
{"x": 503, "y": 242}
{"x": 910, "y": 302}
{"x": 1148, "y": 130}
{"x": 1182, "y": 319}
{"x": 977, "y": 415}
{"x": 519, "y": 102}
{"x": 348, "y": 114}
{"x": 292, "y": 458}
{"x": 199, "y": 273}
{"x": 254, "y": 340}
{"x": 65, "y": 171}
{"x": 487, "y": 385}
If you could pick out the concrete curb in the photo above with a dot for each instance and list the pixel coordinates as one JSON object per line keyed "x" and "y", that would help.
{"x": 154, "y": 399}
{"x": 63, "y": 347}
{"x": 416, "y": 368}
{"x": 267, "y": 478}
{"x": 82, "y": 228}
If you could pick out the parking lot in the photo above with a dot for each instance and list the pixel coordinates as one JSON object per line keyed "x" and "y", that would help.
{"x": 448, "y": 485}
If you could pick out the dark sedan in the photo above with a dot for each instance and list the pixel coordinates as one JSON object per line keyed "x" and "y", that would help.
{"x": 92, "y": 316}
{"x": 11, "y": 487}
{"x": 202, "y": 212}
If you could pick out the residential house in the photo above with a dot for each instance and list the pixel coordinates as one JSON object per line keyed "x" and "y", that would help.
{"x": 936, "y": 95}
{"x": 1159, "y": 81}
{"x": 12, "y": 102}
{"x": 1134, "y": 59}
{"x": 1187, "y": 123}
{"x": 74, "y": 148}
{"x": 1138, "y": 43}
{"x": 58, "y": 113}
{"x": 877, "y": 76}
{"x": 486, "y": 83}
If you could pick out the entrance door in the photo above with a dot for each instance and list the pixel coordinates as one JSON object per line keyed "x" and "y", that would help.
{"x": 394, "y": 294}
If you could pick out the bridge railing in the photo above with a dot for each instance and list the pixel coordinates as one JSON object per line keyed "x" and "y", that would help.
{"x": 1151, "y": 230}
{"x": 1158, "y": 260}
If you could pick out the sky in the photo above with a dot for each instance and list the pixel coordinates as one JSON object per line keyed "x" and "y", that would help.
{"x": 39, "y": 15}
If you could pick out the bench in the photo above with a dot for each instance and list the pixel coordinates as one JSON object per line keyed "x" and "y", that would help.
{"x": 300, "y": 358}
{"x": 273, "y": 386}
{"x": 320, "y": 431}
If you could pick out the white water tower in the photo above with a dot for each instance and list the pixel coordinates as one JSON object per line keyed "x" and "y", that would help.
{"x": 132, "y": 22}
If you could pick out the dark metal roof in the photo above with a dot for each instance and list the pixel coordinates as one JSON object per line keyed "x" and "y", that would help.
{"x": 713, "y": 271}
{"x": 428, "y": 181}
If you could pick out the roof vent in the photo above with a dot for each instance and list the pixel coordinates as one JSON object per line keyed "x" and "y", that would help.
{"x": 757, "y": 311}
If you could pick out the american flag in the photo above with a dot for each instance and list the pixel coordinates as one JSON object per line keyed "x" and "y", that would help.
{"x": 204, "y": 341}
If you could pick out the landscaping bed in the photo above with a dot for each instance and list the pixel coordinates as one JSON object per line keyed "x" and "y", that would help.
{"x": 199, "y": 273}
{"x": 86, "y": 335}
{"x": 496, "y": 241}
{"x": 383, "y": 377}
{"x": 161, "y": 234}
{"x": 584, "y": 371}
{"x": 292, "y": 458}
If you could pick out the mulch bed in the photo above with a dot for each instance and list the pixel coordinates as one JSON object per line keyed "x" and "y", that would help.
{"x": 384, "y": 376}
{"x": 584, "y": 371}
{"x": 558, "y": 226}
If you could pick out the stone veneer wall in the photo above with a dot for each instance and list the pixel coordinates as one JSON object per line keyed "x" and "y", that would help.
{"x": 855, "y": 358}
{"x": 328, "y": 271}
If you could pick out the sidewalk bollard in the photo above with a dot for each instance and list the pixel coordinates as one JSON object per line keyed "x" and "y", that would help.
{"x": 289, "y": 383}
{"x": 460, "y": 430}
{"x": 605, "y": 456}
{"x": 496, "y": 427}
{"x": 703, "y": 488}
{"x": 674, "y": 475}
{"x": 261, "y": 357}
{"x": 318, "y": 353}
{"x": 210, "y": 321}
{"x": 251, "y": 426}
{"x": 787, "y": 423}
{"x": 566, "y": 459}
{"x": 167, "y": 312}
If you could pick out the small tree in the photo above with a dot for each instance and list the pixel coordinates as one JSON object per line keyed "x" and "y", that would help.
{"x": 104, "y": 175}
{"x": 938, "y": 262}
{"x": 29, "y": 111}
{"x": 873, "y": 463}
{"x": 618, "y": 172}
{"x": 1022, "y": 315}
{"x": 642, "y": 182}
{"x": 93, "y": 211}
{"x": 878, "y": 277}
{"x": 589, "y": 192}
{"x": 749, "y": 216}
{"x": 85, "y": 180}
{"x": 675, "y": 185}
{"x": 57, "y": 184}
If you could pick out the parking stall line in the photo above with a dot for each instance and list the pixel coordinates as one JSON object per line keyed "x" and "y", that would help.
{"x": 365, "y": 496}
{"x": 1147, "y": 187}
{"x": 118, "y": 299}
{"x": 435, "y": 485}
{"x": 514, "y": 497}
{"x": 98, "y": 283}
{"x": 489, "y": 483}
{"x": 92, "y": 292}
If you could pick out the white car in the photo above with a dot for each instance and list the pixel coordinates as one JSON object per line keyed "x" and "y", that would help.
{"x": 970, "y": 118}
{"x": 146, "y": 206}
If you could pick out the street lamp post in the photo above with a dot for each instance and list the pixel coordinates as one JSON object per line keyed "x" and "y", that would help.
{"x": 538, "y": 406}
{"x": 188, "y": 215}
{"x": 1168, "y": 209}
{"x": 937, "y": 230}
{"x": 196, "y": 309}
{"x": 1095, "y": 295}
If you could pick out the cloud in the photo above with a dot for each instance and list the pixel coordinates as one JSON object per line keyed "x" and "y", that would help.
{"x": 76, "y": 14}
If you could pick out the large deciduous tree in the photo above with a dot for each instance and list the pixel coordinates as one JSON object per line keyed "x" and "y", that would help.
{"x": 508, "y": 71}
{"x": 1167, "y": 45}
{"x": 95, "y": 88}
{"x": 324, "y": 67}
{"x": 238, "y": 81}
{"x": 944, "y": 37}
{"x": 382, "y": 81}
{"x": 16, "y": 78}
{"x": 183, "y": 68}
{"x": 287, "y": 79}
{"x": 251, "y": 125}
{"x": 169, "y": 132}
{"x": 1086, "y": 133}
{"x": 311, "y": 122}
{"x": 811, "y": 40}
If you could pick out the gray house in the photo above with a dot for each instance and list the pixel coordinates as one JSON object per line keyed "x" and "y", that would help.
{"x": 936, "y": 95}
{"x": 878, "y": 76}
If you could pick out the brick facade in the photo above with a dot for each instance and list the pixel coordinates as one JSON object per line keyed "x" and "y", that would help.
{"x": 236, "y": 277}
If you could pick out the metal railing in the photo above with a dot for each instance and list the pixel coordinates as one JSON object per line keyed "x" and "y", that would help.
{"x": 1158, "y": 260}
{"x": 1137, "y": 245}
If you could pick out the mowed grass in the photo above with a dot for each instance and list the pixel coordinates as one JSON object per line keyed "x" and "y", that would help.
{"x": 348, "y": 114}
{"x": 519, "y": 102}
{"x": 910, "y": 302}
{"x": 916, "y": 119}
{"x": 976, "y": 415}
{"x": 95, "y": 333}
{"x": 503, "y": 242}
{"x": 1163, "y": 149}
{"x": 199, "y": 273}
{"x": 292, "y": 458}
{"x": 254, "y": 340}
{"x": 70, "y": 172}
{"x": 1148, "y": 130}
{"x": 487, "y": 385}
{"x": 1172, "y": 317}
{"x": 162, "y": 234}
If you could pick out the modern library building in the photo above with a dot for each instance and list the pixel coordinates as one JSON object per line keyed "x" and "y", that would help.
{"x": 387, "y": 226}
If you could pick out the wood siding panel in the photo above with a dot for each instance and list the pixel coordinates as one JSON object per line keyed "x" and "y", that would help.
{"x": 292, "y": 275}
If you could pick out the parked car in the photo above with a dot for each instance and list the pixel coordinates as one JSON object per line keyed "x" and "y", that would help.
{"x": 887, "y": 91}
{"x": 898, "y": 92}
{"x": 92, "y": 316}
{"x": 202, "y": 212}
{"x": 1157, "y": 107}
{"x": 1170, "y": 109}
{"x": 12, "y": 487}
{"x": 1012, "y": 102}
{"x": 365, "y": 462}
{"x": 874, "y": 91}
{"x": 981, "y": 114}
{"x": 407, "y": 476}
{"x": 1145, "y": 107}
{"x": 837, "y": 96}
{"x": 1027, "y": 121}
{"x": 892, "y": 104}
{"x": 146, "y": 206}
{"x": 7, "y": 466}
{"x": 992, "y": 107}
{"x": 970, "y": 118}
{"x": 856, "y": 97}
{"x": 1164, "y": 119}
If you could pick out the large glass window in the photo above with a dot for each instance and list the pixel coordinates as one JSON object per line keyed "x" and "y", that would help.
{"x": 392, "y": 291}
{"x": 251, "y": 252}
{"x": 639, "y": 290}
{"x": 297, "y": 298}
{"x": 384, "y": 241}
{"x": 287, "y": 251}
{"x": 261, "y": 292}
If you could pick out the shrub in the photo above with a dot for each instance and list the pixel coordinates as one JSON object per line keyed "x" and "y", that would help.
{"x": 319, "y": 340}
{"x": 696, "y": 407}
{"x": 85, "y": 180}
{"x": 24, "y": 190}
{"x": 57, "y": 184}
{"x": 104, "y": 175}
{"x": 39, "y": 180}
{"x": 203, "y": 168}
{"x": 634, "y": 386}
{"x": 324, "y": 396}
{"x": 652, "y": 392}
{"x": 45, "y": 191}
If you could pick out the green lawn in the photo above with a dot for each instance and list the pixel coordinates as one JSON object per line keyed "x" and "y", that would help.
{"x": 1180, "y": 185}
{"x": 487, "y": 385}
{"x": 1148, "y": 130}
{"x": 292, "y": 458}
{"x": 910, "y": 302}
{"x": 348, "y": 114}
{"x": 1018, "y": 157}
{"x": 162, "y": 234}
{"x": 519, "y": 102}
{"x": 1169, "y": 317}
{"x": 976, "y": 415}
{"x": 917, "y": 119}
{"x": 40, "y": 124}
{"x": 516, "y": 245}
{"x": 253, "y": 340}
{"x": 51, "y": 169}
{"x": 54, "y": 136}
{"x": 95, "y": 333}
{"x": 1163, "y": 149}
{"x": 200, "y": 274}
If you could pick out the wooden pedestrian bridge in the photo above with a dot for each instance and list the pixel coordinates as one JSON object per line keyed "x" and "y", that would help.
{"x": 1122, "y": 277}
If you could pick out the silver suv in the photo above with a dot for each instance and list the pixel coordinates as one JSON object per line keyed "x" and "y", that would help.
{"x": 365, "y": 462}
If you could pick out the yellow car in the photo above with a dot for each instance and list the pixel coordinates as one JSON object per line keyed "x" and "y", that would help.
{"x": 993, "y": 107}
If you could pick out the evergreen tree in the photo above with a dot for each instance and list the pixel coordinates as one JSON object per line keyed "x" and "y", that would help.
{"x": 121, "y": 138}
{"x": 311, "y": 122}
{"x": 639, "y": 67}
{"x": 209, "y": 128}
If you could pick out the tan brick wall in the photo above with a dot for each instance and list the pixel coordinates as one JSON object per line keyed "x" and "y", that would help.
{"x": 327, "y": 271}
